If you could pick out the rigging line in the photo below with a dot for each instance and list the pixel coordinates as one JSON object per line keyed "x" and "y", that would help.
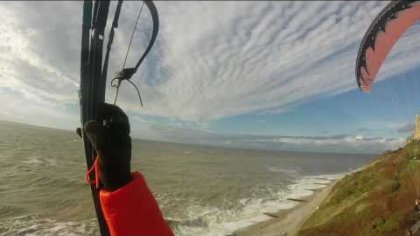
{"x": 132, "y": 35}
{"x": 407, "y": 88}
{"x": 117, "y": 86}
{"x": 155, "y": 19}
{"x": 127, "y": 73}
{"x": 116, "y": 93}
{"x": 95, "y": 14}
{"x": 393, "y": 97}
{"x": 111, "y": 39}
{"x": 138, "y": 92}
{"x": 416, "y": 179}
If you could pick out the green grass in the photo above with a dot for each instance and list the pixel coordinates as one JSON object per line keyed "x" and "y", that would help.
{"x": 378, "y": 200}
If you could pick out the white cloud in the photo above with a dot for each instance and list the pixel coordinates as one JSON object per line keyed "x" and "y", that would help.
{"x": 212, "y": 59}
{"x": 341, "y": 143}
{"x": 230, "y": 58}
{"x": 338, "y": 144}
{"x": 36, "y": 113}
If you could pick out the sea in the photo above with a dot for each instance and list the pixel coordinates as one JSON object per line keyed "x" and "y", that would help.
{"x": 201, "y": 190}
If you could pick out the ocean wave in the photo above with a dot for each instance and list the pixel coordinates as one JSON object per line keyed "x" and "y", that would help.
{"x": 32, "y": 225}
{"x": 289, "y": 171}
{"x": 40, "y": 161}
{"x": 219, "y": 221}
{"x": 10, "y": 211}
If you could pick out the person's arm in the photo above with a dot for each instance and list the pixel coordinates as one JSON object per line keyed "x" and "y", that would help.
{"x": 132, "y": 210}
{"x": 127, "y": 203}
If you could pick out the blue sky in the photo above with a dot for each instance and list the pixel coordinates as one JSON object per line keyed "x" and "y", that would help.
{"x": 277, "y": 75}
{"x": 392, "y": 104}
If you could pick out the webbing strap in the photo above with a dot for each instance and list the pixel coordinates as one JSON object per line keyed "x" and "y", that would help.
{"x": 94, "y": 169}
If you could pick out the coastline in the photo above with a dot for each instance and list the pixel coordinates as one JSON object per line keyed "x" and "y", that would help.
{"x": 287, "y": 222}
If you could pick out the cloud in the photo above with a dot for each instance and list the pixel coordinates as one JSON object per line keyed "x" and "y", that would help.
{"x": 407, "y": 128}
{"x": 339, "y": 143}
{"x": 221, "y": 59}
{"x": 212, "y": 60}
{"x": 326, "y": 144}
{"x": 36, "y": 113}
{"x": 38, "y": 63}
{"x": 363, "y": 129}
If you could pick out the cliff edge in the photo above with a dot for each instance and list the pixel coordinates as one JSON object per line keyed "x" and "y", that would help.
{"x": 377, "y": 200}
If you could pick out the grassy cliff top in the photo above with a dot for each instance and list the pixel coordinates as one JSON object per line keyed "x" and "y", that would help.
{"x": 378, "y": 200}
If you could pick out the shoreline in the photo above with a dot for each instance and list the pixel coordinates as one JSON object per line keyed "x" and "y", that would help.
{"x": 287, "y": 222}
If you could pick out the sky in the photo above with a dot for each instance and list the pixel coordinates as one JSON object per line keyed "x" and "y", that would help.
{"x": 271, "y": 75}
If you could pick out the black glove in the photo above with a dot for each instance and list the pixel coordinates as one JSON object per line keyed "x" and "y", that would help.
{"x": 110, "y": 136}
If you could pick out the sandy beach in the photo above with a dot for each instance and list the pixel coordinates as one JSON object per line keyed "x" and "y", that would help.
{"x": 288, "y": 222}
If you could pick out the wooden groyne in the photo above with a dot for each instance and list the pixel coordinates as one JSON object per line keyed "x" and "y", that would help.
{"x": 296, "y": 200}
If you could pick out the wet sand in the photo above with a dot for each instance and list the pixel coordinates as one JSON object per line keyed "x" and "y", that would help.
{"x": 288, "y": 222}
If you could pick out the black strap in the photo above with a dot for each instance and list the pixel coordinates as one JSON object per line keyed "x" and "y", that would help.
{"x": 111, "y": 39}
{"x": 92, "y": 87}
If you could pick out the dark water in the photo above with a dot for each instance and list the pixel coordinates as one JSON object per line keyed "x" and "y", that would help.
{"x": 203, "y": 190}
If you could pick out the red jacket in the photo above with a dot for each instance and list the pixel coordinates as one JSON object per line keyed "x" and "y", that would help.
{"x": 132, "y": 210}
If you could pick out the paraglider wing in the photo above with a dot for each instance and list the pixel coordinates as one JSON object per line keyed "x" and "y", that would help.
{"x": 381, "y": 36}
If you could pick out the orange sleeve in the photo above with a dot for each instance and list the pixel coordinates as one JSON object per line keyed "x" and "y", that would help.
{"x": 132, "y": 210}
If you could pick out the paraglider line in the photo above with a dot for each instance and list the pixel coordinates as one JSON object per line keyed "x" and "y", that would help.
{"x": 132, "y": 35}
